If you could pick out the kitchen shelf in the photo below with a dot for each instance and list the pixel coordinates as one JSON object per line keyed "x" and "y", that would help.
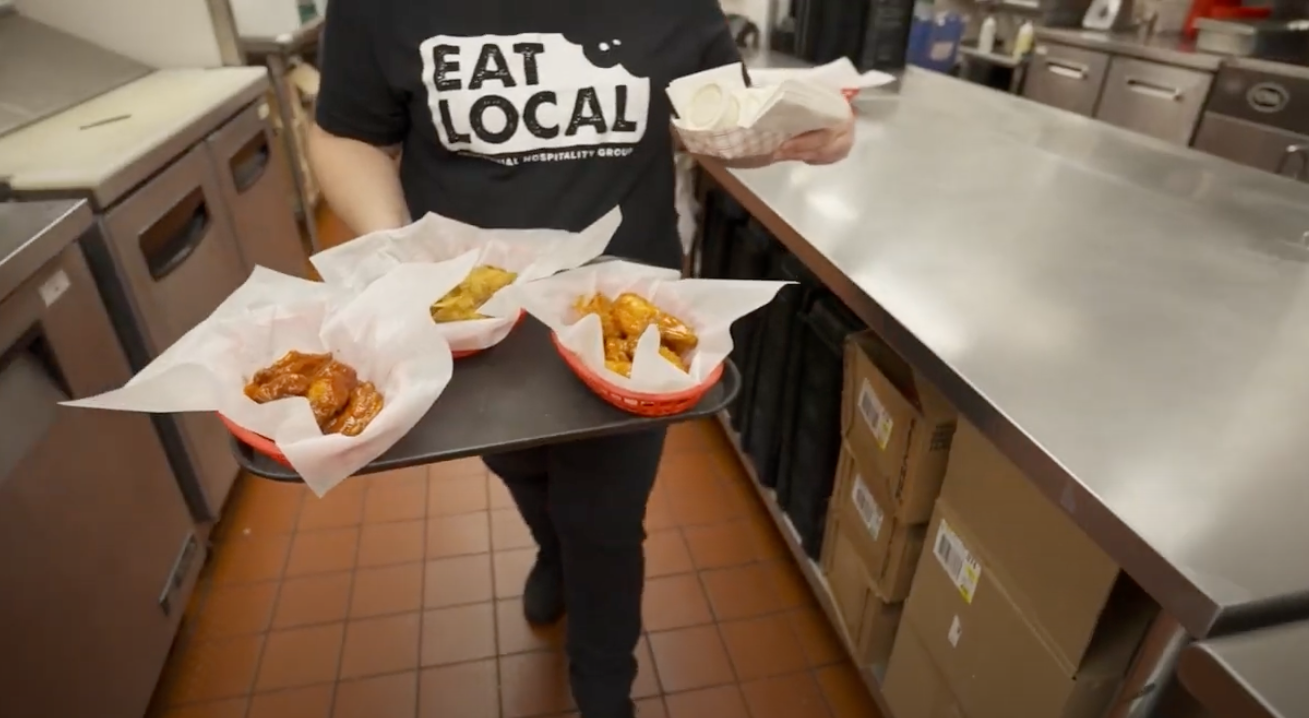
{"x": 813, "y": 573}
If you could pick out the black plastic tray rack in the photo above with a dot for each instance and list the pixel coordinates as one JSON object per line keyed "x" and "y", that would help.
{"x": 777, "y": 358}
{"x": 814, "y": 446}
{"x": 516, "y": 395}
{"x": 751, "y": 257}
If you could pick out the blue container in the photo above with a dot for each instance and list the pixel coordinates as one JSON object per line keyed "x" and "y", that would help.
{"x": 934, "y": 41}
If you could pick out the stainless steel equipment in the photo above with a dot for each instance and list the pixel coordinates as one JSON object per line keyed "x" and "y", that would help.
{"x": 44, "y": 71}
{"x": 1280, "y": 40}
{"x": 191, "y": 194}
{"x": 1258, "y": 115}
{"x": 1252, "y": 675}
{"x": 252, "y": 173}
{"x": 1154, "y": 99}
{"x": 166, "y": 259}
{"x": 100, "y": 554}
{"x": 1069, "y": 78}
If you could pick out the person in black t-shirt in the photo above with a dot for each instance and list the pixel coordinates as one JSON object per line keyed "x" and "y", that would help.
{"x": 535, "y": 114}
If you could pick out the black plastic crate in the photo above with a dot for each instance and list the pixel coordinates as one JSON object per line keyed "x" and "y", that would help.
{"x": 778, "y": 356}
{"x": 723, "y": 217}
{"x": 752, "y": 253}
{"x": 814, "y": 447}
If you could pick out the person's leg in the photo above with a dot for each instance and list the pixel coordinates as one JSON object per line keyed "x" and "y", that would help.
{"x": 598, "y": 494}
{"x": 524, "y": 473}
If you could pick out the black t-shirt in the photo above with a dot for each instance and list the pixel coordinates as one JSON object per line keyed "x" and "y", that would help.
{"x": 524, "y": 113}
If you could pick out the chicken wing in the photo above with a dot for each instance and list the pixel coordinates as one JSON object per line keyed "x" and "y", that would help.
{"x": 329, "y": 390}
{"x": 633, "y": 314}
{"x": 600, "y": 306}
{"x": 278, "y": 386}
{"x": 364, "y": 405}
{"x": 292, "y": 362}
{"x": 463, "y": 302}
{"x": 673, "y": 358}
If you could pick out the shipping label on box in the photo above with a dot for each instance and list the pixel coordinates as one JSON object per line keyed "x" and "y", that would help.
{"x": 887, "y": 547}
{"x": 964, "y": 570}
{"x": 875, "y": 416}
{"x": 869, "y": 512}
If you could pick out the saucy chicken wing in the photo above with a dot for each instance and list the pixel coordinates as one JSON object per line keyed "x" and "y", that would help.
{"x": 364, "y": 405}
{"x": 341, "y": 404}
{"x": 329, "y": 390}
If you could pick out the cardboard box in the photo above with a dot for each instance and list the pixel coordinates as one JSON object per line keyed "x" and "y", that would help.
{"x": 994, "y": 660}
{"x": 887, "y": 546}
{"x": 897, "y": 423}
{"x": 1056, "y": 575}
{"x": 869, "y": 620}
{"x": 914, "y": 686}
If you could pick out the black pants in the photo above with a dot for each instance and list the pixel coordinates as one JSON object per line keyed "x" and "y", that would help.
{"x": 584, "y": 502}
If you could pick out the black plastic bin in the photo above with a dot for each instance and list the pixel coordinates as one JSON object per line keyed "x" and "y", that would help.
{"x": 777, "y": 356}
{"x": 723, "y": 216}
{"x": 752, "y": 253}
{"x": 810, "y": 452}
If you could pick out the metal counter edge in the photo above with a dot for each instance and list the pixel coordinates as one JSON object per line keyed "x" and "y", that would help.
{"x": 32, "y": 253}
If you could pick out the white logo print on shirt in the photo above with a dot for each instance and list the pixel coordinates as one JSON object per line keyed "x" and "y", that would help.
{"x": 531, "y": 98}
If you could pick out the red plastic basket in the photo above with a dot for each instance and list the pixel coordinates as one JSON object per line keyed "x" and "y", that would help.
{"x": 636, "y": 402}
{"x": 258, "y": 442}
{"x": 470, "y": 352}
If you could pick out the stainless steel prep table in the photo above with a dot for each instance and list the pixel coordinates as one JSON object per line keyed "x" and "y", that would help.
{"x": 1124, "y": 318}
{"x": 1254, "y": 675}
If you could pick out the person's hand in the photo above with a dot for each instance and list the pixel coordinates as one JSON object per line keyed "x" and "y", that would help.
{"x": 820, "y": 147}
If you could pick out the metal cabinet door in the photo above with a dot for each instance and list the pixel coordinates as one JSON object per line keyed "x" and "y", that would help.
{"x": 173, "y": 245}
{"x": 1153, "y": 99}
{"x": 1250, "y": 144}
{"x": 1066, "y": 77}
{"x": 174, "y": 252}
{"x": 251, "y": 169}
{"x": 91, "y": 521}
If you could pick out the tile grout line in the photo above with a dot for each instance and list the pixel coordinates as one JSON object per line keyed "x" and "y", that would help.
{"x": 277, "y": 597}
{"x": 422, "y": 594}
{"x": 488, "y": 477}
{"x": 349, "y": 605}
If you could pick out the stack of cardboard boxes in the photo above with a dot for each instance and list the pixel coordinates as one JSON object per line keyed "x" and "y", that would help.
{"x": 1014, "y": 611}
{"x": 897, "y": 430}
{"x": 1011, "y": 611}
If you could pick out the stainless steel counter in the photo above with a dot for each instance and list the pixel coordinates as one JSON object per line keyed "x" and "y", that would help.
{"x": 1168, "y": 49}
{"x": 1254, "y": 675}
{"x": 1126, "y": 319}
{"x": 33, "y": 233}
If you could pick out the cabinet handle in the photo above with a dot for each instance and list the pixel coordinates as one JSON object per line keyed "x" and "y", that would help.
{"x": 1070, "y": 70}
{"x": 30, "y": 389}
{"x": 1150, "y": 89}
{"x": 170, "y": 241}
{"x": 249, "y": 162}
{"x": 1295, "y": 152}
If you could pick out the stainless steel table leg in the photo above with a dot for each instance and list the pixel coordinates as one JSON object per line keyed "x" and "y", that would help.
{"x": 277, "y": 68}
{"x": 1154, "y": 667}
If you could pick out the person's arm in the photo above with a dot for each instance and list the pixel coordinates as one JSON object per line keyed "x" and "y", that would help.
{"x": 360, "y": 122}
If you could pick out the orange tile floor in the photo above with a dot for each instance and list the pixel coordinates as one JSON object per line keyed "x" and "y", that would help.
{"x": 396, "y": 596}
